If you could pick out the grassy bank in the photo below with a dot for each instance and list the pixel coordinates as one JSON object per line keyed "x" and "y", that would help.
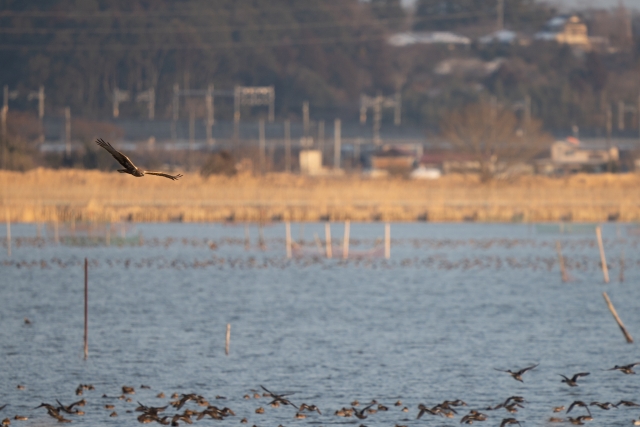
{"x": 47, "y": 195}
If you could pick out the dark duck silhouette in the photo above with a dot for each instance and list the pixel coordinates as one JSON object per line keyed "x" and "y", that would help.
{"x": 573, "y": 381}
{"x": 517, "y": 375}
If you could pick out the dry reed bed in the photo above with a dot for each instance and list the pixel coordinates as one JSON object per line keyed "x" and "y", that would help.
{"x": 48, "y": 195}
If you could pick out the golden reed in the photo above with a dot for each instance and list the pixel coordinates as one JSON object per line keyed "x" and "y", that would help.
{"x": 43, "y": 195}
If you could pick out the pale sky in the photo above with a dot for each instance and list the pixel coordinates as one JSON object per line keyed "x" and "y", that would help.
{"x": 576, "y": 4}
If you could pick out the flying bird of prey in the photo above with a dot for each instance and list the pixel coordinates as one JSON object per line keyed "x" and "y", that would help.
{"x": 128, "y": 165}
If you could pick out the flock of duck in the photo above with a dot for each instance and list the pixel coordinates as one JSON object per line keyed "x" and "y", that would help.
{"x": 435, "y": 262}
{"x": 176, "y": 411}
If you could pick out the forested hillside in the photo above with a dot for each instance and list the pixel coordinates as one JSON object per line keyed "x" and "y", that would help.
{"x": 326, "y": 51}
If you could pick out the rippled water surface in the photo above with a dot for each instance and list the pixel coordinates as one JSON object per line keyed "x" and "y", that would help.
{"x": 454, "y": 302}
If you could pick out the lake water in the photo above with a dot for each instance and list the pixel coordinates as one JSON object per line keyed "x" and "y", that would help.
{"x": 454, "y": 302}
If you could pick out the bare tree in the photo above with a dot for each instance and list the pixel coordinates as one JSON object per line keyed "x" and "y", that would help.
{"x": 494, "y": 136}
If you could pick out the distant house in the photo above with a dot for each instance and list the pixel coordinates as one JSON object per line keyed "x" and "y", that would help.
{"x": 504, "y": 37}
{"x": 450, "y": 161}
{"x": 571, "y": 155}
{"x": 570, "y": 30}
{"x": 468, "y": 67}
{"x": 396, "y": 157}
{"x": 432, "y": 37}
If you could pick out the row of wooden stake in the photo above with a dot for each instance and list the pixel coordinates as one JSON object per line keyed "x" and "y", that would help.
{"x": 345, "y": 240}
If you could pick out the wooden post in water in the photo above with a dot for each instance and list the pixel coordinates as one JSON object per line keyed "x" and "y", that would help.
{"x": 261, "y": 237}
{"x": 345, "y": 240}
{"x": 603, "y": 259}
{"x": 228, "y": 339}
{"x": 387, "y": 240}
{"x": 8, "y": 232}
{"x": 247, "y": 241}
{"x": 621, "y": 277}
{"x": 56, "y": 234}
{"x": 615, "y": 316}
{"x": 288, "y": 238}
{"x": 318, "y": 243}
{"x": 86, "y": 308}
{"x": 563, "y": 271}
{"x": 327, "y": 238}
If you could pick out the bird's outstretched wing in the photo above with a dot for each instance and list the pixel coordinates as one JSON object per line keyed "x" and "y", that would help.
{"x": 522, "y": 371}
{"x": 121, "y": 158}
{"x": 166, "y": 175}
{"x": 576, "y": 376}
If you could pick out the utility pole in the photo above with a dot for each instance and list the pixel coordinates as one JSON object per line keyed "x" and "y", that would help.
{"x": 609, "y": 129}
{"x": 39, "y": 95}
{"x": 305, "y": 118}
{"x": 621, "y": 111}
{"x": 287, "y": 146}
{"x": 377, "y": 103}
{"x": 209, "y": 105}
{"x": 148, "y": 96}
{"x": 67, "y": 130}
{"x": 377, "y": 119}
{"x": 174, "y": 109}
{"x": 263, "y": 144}
{"x": 252, "y": 96}
{"x": 638, "y": 115}
{"x": 321, "y": 140}
{"x": 3, "y": 119}
{"x": 6, "y": 96}
{"x": 337, "y": 143}
{"x": 118, "y": 97}
{"x": 236, "y": 115}
{"x": 192, "y": 126}
{"x": 500, "y": 15}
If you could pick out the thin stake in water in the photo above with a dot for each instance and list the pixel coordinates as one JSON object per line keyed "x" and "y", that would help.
{"x": 86, "y": 308}
{"x": 617, "y": 318}
{"x": 387, "y": 240}
{"x": 288, "y": 238}
{"x": 345, "y": 240}
{"x": 327, "y": 237}
{"x": 603, "y": 259}
{"x": 563, "y": 270}
{"x": 8, "y": 232}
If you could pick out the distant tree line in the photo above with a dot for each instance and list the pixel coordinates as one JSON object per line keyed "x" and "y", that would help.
{"x": 328, "y": 52}
{"x": 324, "y": 51}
